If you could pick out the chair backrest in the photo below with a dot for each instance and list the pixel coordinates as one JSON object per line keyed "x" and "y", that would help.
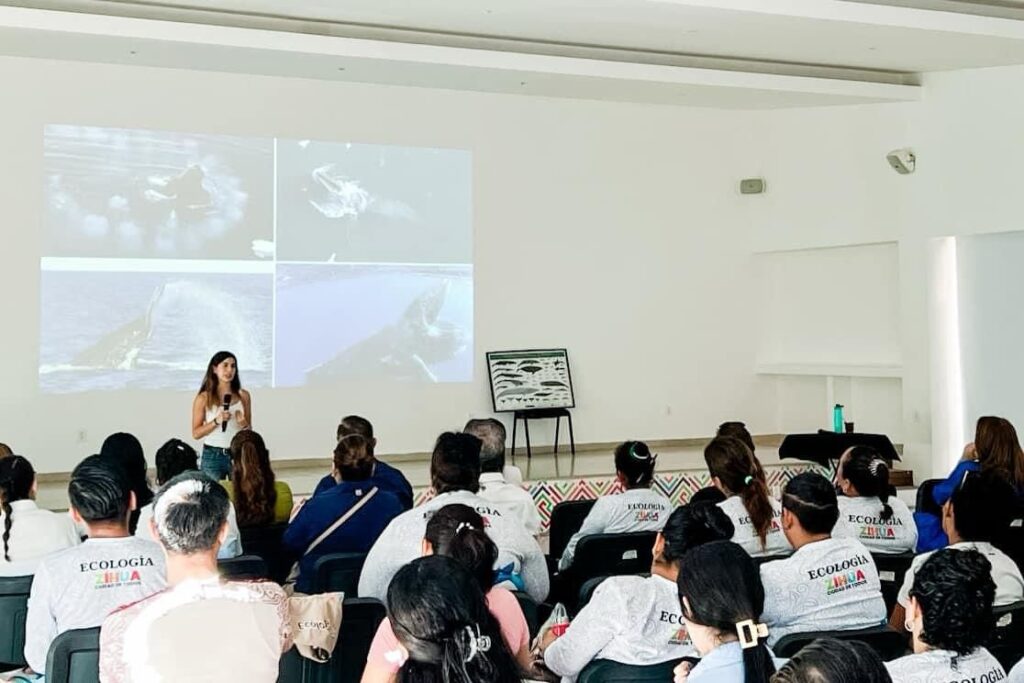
{"x": 925, "y": 502}
{"x": 889, "y": 643}
{"x": 587, "y": 591}
{"x": 14, "y": 592}
{"x": 1011, "y": 539}
{"x": 359, "y": 621}
{"x": 607, "y": 671}
{"x": 265, "y": 541}
{"x": 530, "y": 612}
{"x": 1006, "y": 643}
{"x": 891, "y": 570}
{"x": 566, "y": 519}
{"x": 608, "y": 555}
{"x": 74, "y": 657}
{"x": 243, "y": 567}
{"x": 338, "y": 572}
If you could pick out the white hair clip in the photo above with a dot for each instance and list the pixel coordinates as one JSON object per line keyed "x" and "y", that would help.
{"x": 477, "y": 643}
{"x": 749, "y": 633}
{"x": 395, "y": 657}
{"x": 875, "y": 464}
{"x": 463, "y": 525}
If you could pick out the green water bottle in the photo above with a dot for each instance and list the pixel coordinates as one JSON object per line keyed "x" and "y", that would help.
{"x": 837, "y": 419}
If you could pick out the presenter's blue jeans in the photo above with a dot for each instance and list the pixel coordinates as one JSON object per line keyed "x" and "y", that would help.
{"x": 216, "y": 462}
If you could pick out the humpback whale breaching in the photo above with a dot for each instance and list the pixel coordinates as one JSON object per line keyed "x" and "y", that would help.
{"x": 403, "y": 350}
{"x": 119, "y": 349}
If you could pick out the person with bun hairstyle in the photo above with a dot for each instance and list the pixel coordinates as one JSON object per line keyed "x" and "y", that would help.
{"x": 737, "y": 430}
{"x": 950, "y": 617}
{"x": 755, "y": 514}
{"x": 214, "y": 425}
{"x": 125, "y": 450}
{"x": 456, "y": 531}
{"x": 882, "y": 523}
{"x": 354, "y": 486}
{"x": 830, "y": 660}
{"x": 29, "y": 533}
{"x": 634, "y": 619}
{"x": 637, "y": 508}
{"x": 827, "y": 584}
{"x": 722, "y": 600}
{"x": 258, "y": 498}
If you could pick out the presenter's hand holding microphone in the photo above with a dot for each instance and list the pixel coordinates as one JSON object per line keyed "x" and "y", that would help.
{"x": 225, "y": 413}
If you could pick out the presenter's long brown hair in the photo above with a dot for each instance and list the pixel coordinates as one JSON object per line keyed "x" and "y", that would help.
{"x": 210, "y": 381}
{"x": 252, "y": 479}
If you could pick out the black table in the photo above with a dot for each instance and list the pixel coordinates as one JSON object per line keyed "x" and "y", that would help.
{"x": 824, "y": 447}
{"x": 543, "y": 414}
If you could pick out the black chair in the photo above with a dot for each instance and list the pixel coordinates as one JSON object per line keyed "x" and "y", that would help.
{"x": 74, "y": 657}
{"x": 889, "y": 643}
{"x": 925, "y": 502}
{"x": 244, "y": 568}
{"x": 587, "y": 591}
{"x": 265, "y": 541}
{"x": 1006, "y": 643}
{"x": 531, "y": 612}
{"x": 14, "y": 592}
{"x": 1011, "y": 539}
{"x": 607, "y": 671}
{"x": 891, "y": 570}
{"x": 566, "y": 519}
{"x": 359, "y": 621}
{"x": 338, "y": 573}
{"x": 607, "y": 555}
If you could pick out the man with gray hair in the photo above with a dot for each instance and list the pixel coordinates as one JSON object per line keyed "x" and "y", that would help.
{"x": 494, "y": 484}
{"x": 146, "y": 641}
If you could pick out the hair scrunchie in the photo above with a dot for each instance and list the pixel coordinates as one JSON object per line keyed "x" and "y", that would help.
{"x": 748, "y": 480}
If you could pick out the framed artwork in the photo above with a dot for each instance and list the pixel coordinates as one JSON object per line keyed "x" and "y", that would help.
{"x": 529, "y": 380}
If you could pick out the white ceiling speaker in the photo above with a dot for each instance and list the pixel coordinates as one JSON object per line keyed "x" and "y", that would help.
{"x": 902, "y": 161}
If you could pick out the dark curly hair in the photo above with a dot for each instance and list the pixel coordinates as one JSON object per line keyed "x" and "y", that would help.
{"x": 955, "y": 590}
{"x": 828, "y": 660}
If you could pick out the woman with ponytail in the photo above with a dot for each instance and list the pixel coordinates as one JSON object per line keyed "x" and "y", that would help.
{"x": 722, "y": 599}
{"x": 883, "y": 523}
{"x": 258, "y": 498}
{"x": 457, "y": 531}
{"x": 637, "y": 508}
{"x": 29, "y": 534}
{"x": 755, "y": 514}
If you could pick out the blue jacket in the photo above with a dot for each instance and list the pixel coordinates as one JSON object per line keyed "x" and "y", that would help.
{"x": 384, "y": 476}
{"x": 356, "y": 535}
{"x": 930, "y": 535}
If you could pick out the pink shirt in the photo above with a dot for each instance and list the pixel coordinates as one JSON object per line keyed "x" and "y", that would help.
{"x": 502, "y": 604}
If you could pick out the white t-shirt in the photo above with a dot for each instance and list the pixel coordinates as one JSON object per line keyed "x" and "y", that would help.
{"x": 401, "y": 543}
{"x": 861, "y": 518}
{"x": 638, "y": 509}
{"x": 232, "y": 546}
{"x": 829, "y": 585}
{"x": 1005, "y": 573}
{"x": 630, "y": 620}
{"x": 219, "y": 438}
{"x": 942, "y": 666}
{"x": 511, "y": 497}
{"x": 1017, "y": 673}
{"x": 80, "y": 586}
{"x": 35, "y": 533}
{"x": 746, "y": 536}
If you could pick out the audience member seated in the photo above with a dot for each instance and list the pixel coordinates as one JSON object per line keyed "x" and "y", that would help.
{"x": 755, "y": 514}
{"x": 866, "y": 512}
{"x": 637, "y": 508}
{"x": 5, "y": 451}
{"x": 384, "y": 475}
{"x": 828, "y": 660}
{"x": 493, "y": 486}
{"x": 738, "y": 430}
{"x": 29, "y": 533}
{"x": 201, "y": 628}
{"x": 950, "y": 616}
{"x": 976, "y": 512}
{"x": 173, "y": 458}
{"x": 457, "y": 531}
{"x": 125, "y": 450}
{"x": 362, "y": 508}
{"x": 828, "y": 584}
{"x": 455, "y": 475}
{"x": 722, "y": 599}
{"x": 995, "y": 450}
{"x": 633, "y": 619}
{"x": 445, "y": 631}
{"x": 80, "y": 586}
{"x": 259, "y": 499}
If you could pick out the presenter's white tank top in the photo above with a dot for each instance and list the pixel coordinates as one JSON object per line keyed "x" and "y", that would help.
{"x": 218, "y": 438}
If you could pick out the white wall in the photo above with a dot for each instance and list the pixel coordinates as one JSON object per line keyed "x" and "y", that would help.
{"x": 628, "y": 213}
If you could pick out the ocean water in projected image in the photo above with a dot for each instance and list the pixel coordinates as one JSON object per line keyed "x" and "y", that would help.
{"x": 402, "y": 322}
{"x": 116, "y": 330}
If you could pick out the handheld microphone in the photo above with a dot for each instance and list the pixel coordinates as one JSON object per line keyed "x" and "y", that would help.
{"x": 227, "y": 405}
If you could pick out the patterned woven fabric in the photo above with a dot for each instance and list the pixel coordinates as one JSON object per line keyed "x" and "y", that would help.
{"x": 676, "y": 486}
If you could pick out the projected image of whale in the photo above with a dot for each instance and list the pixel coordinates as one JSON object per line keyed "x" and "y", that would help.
{"x": 153, "y": 331}
{"x": 114, "y": 192}
{"x": 338, "y": 322}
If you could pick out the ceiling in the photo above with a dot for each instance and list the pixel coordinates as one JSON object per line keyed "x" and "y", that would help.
{"x": 796, "y": 52}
